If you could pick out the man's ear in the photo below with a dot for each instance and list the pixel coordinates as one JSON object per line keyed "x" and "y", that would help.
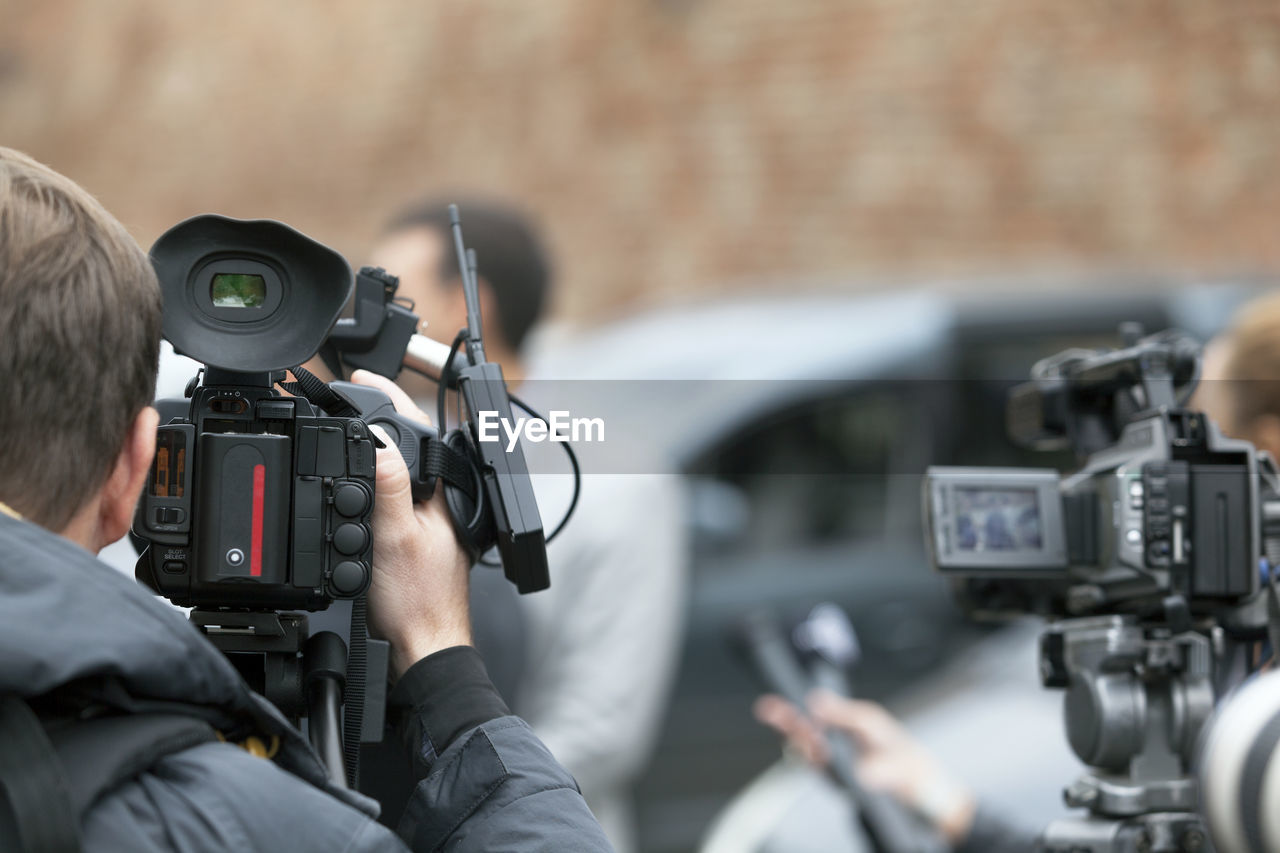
{"x": 121, "y": 491}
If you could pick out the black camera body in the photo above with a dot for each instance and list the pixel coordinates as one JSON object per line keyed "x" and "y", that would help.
{"x": 1163, "y": 504}
{"x": 258, "y": 500}
{"x": 1172, "y": 508}
{"x": 255, "y": 500}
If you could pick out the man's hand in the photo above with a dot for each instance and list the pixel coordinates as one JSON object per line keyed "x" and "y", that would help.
{"x": 890, "y": 759}
{"x": 418, "y": 596}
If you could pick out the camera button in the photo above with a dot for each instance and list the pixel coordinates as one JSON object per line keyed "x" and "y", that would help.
{"x": 350, "y": 500}
{"x": 170, "y": 515}
{"x": 349, "y": 539}
{"x": 349, "y": 577}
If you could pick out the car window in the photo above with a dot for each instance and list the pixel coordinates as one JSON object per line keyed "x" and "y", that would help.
{"x": 821, "y": 472}
{"x": 846, "y": 466}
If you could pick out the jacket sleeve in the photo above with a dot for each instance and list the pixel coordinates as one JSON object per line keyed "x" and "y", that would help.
{"x": 991, "y": 833}
{"x": 485, "y": 782}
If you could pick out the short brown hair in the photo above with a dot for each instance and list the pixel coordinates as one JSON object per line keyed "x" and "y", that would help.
{"x": 1251, "y": 364}
{"x": 80, "y": 316}
{"x": 509, "y": 251}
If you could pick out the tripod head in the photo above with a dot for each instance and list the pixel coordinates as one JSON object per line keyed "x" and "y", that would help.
{"x": 1136, "y": 696}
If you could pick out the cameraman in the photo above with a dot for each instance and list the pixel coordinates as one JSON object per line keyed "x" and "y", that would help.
{"x": 80, "y": 318}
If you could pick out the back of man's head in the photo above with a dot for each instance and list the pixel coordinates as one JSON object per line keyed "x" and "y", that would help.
{"x": 510, "y": 252}
{"x": 1252, "y": 357}
{"x": 80, "y": 316}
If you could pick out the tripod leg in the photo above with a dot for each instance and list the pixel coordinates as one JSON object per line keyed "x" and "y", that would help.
{"x": 326, "y": 663}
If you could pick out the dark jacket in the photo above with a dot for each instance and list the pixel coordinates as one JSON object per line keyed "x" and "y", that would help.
{"x": 488, "y": 784}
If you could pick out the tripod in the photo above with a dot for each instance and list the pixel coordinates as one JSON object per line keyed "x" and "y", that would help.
{"x": 305, "y": 676}
{"x": 1137, "y": 694}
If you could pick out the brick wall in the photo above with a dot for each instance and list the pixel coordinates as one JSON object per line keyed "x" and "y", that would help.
{"x": 684, "y": 146}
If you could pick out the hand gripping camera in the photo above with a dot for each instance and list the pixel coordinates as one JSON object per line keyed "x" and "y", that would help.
{"x": 261, "y": 492}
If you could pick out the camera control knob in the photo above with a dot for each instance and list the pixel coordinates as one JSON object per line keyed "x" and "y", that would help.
{"x": 349, "y": 577}
{"x": 350, "y": 539}
{"x": 350, "y": 500}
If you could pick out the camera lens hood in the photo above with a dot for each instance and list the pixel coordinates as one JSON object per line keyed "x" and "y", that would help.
{"x": 248, "y": 295}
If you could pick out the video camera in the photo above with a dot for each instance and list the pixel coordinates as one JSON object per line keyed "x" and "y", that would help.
{"x": 260, "y": 499}
{"x": 1150, "y": 559}
{"x": 1163, "y": 505}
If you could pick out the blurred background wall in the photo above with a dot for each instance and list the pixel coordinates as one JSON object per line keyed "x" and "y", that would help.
{"x": 682, "y": 147}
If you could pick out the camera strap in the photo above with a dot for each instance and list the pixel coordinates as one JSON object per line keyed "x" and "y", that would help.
{"x": 37, "y": 812}
{"x": 310, "y": 386}
{"x": 52, "y": 771}
{"x": 451, "y": 465}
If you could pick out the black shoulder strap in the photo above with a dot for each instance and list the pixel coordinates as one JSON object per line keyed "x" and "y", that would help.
{"x": 35, "y": 800}
{"x": 74, "y": 764}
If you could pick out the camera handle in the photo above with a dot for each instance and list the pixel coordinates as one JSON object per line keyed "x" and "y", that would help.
{"x": 324, "y": 682}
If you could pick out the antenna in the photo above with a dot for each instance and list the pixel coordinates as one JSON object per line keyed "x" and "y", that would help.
{"x": 470, "y": 289}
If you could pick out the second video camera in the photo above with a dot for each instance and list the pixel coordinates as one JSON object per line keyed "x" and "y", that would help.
{"x": 1163, "y": 504}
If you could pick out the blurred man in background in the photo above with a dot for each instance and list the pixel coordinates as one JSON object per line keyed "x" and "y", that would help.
{"x": 600, "y": 647}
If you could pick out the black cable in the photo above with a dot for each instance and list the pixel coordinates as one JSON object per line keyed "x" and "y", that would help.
{"x": 442, "y": 384}
{"x": 568, "y": 449}
{"x": 577, "y": 480}
{"x": 457, "y": 404}
{"x": 478, "y": 481}
{"x": 573, "y": 462}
